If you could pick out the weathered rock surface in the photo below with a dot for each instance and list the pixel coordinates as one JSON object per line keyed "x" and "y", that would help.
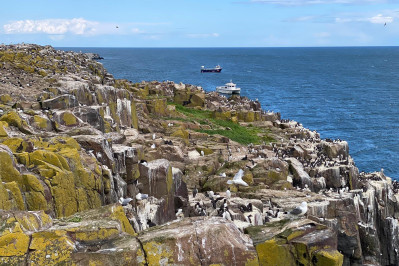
{"x": 74, "y": 141}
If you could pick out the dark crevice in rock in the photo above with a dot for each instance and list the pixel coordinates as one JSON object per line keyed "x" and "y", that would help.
{"x": 198, "y": 245}
{"x": 142, "y": 248}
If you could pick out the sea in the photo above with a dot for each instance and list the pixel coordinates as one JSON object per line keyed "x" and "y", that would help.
{"x": 349, "y": 93}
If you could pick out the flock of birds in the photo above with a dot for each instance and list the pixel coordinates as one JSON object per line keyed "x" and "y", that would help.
{"x": 224, "y": 211}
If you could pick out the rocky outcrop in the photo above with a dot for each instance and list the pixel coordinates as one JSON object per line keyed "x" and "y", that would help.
{"x": 198, "y": 241}
{"x": 74, "y": 141}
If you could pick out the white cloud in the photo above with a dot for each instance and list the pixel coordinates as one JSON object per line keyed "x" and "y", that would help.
{"x": 378, "y": 19}
{"x": 78, "y": 26}
{"x": 203, "y": 35}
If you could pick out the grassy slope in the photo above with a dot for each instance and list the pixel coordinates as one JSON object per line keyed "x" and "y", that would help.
{"x": 234, "y": 131}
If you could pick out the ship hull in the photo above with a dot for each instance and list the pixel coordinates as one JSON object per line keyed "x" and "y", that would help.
{"x": 211, "y": 70}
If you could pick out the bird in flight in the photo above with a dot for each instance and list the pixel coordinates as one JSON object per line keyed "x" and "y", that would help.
{"x": 118, "y": 26}
{"x": 385, "y": 24}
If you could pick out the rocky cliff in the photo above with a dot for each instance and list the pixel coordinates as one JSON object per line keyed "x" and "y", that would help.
{"x": 77, "y": 144}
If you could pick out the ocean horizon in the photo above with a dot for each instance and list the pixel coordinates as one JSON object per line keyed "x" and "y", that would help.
{"x": 350, "y": 93}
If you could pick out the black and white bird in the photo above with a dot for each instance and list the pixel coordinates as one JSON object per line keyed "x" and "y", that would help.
{"x": 228, "y": 193}
{"x": 179, "y": 214}
{"x": 211, "y": 194}
{"x": 214, "y": 201}
{"x": 226, "y": 214}
{"x": 143, "y": 162}
{"x": 300, "y": 210}
{"x": 125, "y": 201}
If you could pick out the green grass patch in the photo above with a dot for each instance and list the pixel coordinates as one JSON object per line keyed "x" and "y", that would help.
{"x": 229, "y": 129}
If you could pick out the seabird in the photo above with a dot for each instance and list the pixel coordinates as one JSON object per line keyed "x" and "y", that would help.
{"x": 179, "y": 214}
{"x": 228, "y": 193}
{"x": 202, "y": 153}
{"x": 249, "y": 218}
{"x": 150, "y": 224}
{"x": 237, "y": 179}
{"x": 153, "y": 136}
{"x": 226, "y": 214}
{"x": 125, "y": 202}
{"x": 195, "y": 191}
{"x": 223, "y": 174}
{"x": 214, "y": 201}
{"x": 140, "y": 196}
{"x": 153, "y": 146}
{"x": 143, "y": 162}
{"x": 300, "y": 210}
{"x": 211, "y": 194}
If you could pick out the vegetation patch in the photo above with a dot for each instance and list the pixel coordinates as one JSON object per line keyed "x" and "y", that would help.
{"x": 230, "y": 129}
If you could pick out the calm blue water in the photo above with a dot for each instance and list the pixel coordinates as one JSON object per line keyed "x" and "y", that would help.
{"x": 347, "y": 93}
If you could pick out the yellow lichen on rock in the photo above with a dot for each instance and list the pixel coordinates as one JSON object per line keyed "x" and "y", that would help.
{"x": 273, "y": 253}
{"x": 39, "y": 156}
{"x": 14, "y": 244}
{"x": 5, "y": 98}
{"x": 50, "y": 248}
{"x": 13, "y": 119}
{"x": 15, "y": 144}
{"x": 69, "y": 119}
{"x": 118, "y": 214}
{"x": 33, "y": 221}
{"x": 328, "y": 258}
{"x": 16, "y": 194}
{"x": 158, "y": 253}
{"x": 5, "y": 202}
{"x": 96, "y": 234}
{"x": 41, "y": 122}
{"x": 3, "y": 132}
{"x": 7, "y": 171}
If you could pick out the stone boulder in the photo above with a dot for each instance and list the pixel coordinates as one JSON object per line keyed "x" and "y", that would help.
{"x": 298, "y": 242}
{"x": 61, "y": 102}
{"x": 198, "y": 241}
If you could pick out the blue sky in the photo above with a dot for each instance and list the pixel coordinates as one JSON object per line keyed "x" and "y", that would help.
{"x": 200, "y": 23}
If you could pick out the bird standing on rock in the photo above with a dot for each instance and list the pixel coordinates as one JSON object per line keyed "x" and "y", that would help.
{"x": 228, "y": 193}
{"x": 300, "y": 210}
{"x": 179, "y": 214}
{"x": 125, "y": 202}
{"x": 140, "y": 196}
{"x": 195, "y": 191}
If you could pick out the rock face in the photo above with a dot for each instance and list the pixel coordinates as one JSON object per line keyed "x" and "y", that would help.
{"x": 198, "y": 241}
{"x": 291, "y": 243}
{"x": 157, "y": 180}
{"x": 74, "y": 142}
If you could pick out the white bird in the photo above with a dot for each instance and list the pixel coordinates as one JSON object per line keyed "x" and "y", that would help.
{"x": 153, "y": 146}
{"x": 237, "y": 179}
{"x": 140, "y": 196}
{"x": 153, "y": 136}
{"x": 211, "y": 194}
{"x": 300, "y": 210}
{"x": 125, "y": 202}
{"x": 180, "y": 214}
{"x": 223, "y": 174}
{"x": 202, "y": 153}
{"x": 228, "y": 193}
